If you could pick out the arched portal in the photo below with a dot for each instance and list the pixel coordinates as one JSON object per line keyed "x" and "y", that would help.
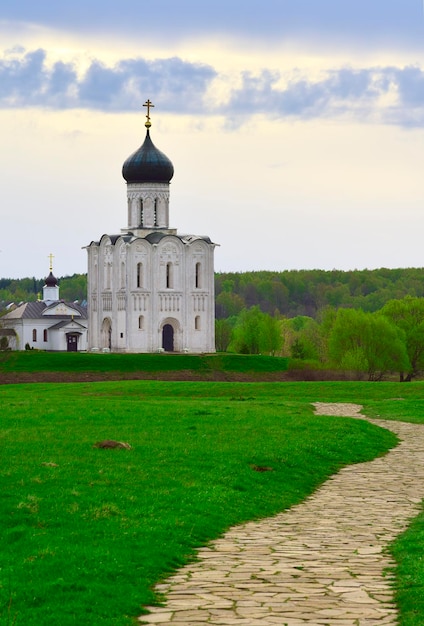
{"x": 106, "y": 333}
{"x": 168, "y": 338}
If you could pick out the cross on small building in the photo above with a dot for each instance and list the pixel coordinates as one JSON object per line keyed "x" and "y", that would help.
{"x": 51, "y": 257}
{"x": 149, "y": 106}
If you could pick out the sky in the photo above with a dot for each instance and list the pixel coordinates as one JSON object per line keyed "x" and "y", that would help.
{"x": 296, "y": 128}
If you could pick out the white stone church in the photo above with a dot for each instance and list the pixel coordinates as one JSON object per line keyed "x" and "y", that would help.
{"x": 150, "y": 289}
{"x": 48, "y": 324}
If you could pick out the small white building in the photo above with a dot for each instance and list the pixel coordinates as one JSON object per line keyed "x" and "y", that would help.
{"x": 50, "y": 324}
{"x": 150, "y": 289}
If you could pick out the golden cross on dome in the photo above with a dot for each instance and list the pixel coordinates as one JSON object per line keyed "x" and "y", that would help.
{"x": 149, "y": 106}
{"x": 51, "y": 257}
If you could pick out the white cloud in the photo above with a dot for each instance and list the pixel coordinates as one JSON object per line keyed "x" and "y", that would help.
{"x": 384, "y": 94}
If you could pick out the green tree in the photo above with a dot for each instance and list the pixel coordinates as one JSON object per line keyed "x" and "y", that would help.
{"x": 246, "y": 331}
{"x": 288, "y": 336}
{"x": 325, "y": 320}
{"x": 223, "y": 332}
{"x": 306, "y": 338}
{"x": 270, "y": 336}
{"x": 355, "y": 360}
{"x": 256, "y": 333}
{"x": 73, "y": 287}
{"x": 408, "y": 315}
{"x": 369, "y": 340}
{"x": 228, "y": 304}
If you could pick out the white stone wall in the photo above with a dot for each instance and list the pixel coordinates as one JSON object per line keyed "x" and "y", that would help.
{"x": 148, "y": 205}
{"x": 56, "y": 339}
{"x": 136, "y": 288}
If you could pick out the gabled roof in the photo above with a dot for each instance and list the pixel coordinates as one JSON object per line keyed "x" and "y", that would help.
{"x": 27, "y": 310}
{"x": 62, "y": 309}
{"x": 35, "y": 310}
{"x": 64, "y": 323}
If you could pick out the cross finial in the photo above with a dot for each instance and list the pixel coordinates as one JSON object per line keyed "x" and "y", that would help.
{"x": 51, "y": 257}
{"x": 149, "y": 106}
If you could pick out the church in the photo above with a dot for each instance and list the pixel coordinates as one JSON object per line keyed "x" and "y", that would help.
{"x": 48, "y": 324}
{"x": 150, "y": 289}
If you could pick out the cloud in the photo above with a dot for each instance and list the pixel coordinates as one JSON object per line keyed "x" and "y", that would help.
{"x": 386, "y": 95}
{"x": 411, "y": 86}
{"x": 340, "y": 91}
{"x": 27, "y": 79}
{"x": 383, "y": 94}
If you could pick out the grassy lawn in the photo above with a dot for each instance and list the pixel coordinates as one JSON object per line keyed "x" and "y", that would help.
{"x": 87, "y": 532}
{"x": 408, "y": 552}
{"x": 39, "y": 361}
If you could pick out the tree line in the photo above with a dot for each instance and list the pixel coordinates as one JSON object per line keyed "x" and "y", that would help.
{"x": 289, "y": 293}
{"x": 365, "y": 321}
{"x": 307, "y": 292}
{"x": 352, "y": 340}
{"x": 30, "y": 289}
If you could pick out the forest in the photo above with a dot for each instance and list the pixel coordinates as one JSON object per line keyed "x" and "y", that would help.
{"x": 30, "y": 289}
{"x": 288, "y": 293}
{"x": 306, "y": 292}
{"x": 367, "y": 322}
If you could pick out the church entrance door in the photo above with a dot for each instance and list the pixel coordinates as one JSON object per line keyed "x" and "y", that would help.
{"x": 72, "y": 343}
{"x": 168, "y": 338}
{"x": 106, "y": 333}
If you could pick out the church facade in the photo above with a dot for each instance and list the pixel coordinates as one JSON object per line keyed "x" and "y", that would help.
{"x": 150, "y": 289}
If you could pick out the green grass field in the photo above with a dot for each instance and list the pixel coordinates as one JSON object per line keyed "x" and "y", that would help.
{"x": 87, "y": 532}
{"x": 33, "y": 361}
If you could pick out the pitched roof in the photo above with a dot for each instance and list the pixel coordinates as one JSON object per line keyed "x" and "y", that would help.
{"x": 65, "y": 323}
{"x": 34, "y": 311}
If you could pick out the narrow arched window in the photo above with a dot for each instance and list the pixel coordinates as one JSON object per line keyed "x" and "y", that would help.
{"x": 141, "y": 212}
{"x": 198, "y": 273}
{"x": 141, "y": 322}
{"x": 122, "y": 275}
{"x": 45, "y": 334}
{"x": 197, "y": 322}
{"x": 34, "y": 334}
{"x": 139, "y": 275}
{"x": 155, "y": 213}
{"x": 108, "y": 273}
{"x": 169, "y": 276}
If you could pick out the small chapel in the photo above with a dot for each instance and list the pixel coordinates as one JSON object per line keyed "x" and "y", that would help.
{"x": 150, "y": 289}
{"x": 47, "y": 324}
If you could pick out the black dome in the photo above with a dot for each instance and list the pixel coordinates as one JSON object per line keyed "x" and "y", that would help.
{"x": 148, "y": 165}
{"x": 51, "y": 281}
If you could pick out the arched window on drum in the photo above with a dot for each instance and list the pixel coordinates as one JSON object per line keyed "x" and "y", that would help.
{"x": 169, "y": 276}
{"x": 140, "y": 275}
{"x": 198, "y": 273}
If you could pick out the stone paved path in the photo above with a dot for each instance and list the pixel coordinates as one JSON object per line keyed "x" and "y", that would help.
{"x": 321, "y": 562}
